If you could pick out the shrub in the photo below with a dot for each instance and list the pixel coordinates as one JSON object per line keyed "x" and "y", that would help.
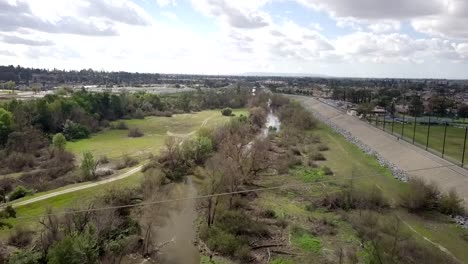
{"x": 317, "y": 156}
{"x": 19, "y": 161}
{"x": 121, "y": 125}
{"x": 135, "y": 132}
{"x": 226, "y": 111}
{"x": 323, "y": 147}
{"x": 25, "y": 257}
{"x": 73, "y": 130}
{"x": 74, "y": 249}
{"x": 19, "y": 192}
{"x": 126, "y": 162}
{"x": 20, "y": 237}
{"x": 88, "y": 166}
{"x": 269, "y": 213}
{"x": 451, "y": 204}
{"x": 420, "y": 196}
{"x": 355, "y": 199}
{"x": 139, "y": 114}
{"x": 9, "y": 212}
{"x": 59, "y": 141}
{"x": 103, "y": 159}
{"x": 327, "y": 171}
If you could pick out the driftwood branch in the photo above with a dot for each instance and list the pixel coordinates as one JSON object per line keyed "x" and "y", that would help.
{"x": 284, "y": 252}
{"x": 268, "y": 246}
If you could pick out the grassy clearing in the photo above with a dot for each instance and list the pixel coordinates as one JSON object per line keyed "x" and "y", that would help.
{"x": 62, "y": 202}
{"x": 115, "y": 143}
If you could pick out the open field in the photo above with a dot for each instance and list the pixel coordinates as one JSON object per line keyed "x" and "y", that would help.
{"x": 110, "y": 141}
{"x": 346, "y": 161}
{"x": 28, "y": 215}
{"x": 114, "y": 143}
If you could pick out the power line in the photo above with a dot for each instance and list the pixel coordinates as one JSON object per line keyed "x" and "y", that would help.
{"x": 187, "y": 198}
{"x": 210, "y": 195}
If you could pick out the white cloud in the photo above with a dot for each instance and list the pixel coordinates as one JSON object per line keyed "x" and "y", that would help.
{"x": 164, "y": 3}
{"x": 237, "y": 14}
{"x": 385, "y": 27}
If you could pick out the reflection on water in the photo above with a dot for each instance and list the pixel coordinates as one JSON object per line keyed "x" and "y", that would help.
{"x": 180, "y": 229}
{"x": 272, "y": 121}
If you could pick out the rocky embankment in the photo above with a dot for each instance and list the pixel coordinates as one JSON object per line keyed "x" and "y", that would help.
{"x": 397, "y": 172}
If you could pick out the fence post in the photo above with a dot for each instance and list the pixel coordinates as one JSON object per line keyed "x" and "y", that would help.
{"x": 414, "y": 129}
{"x": 428, "y": 130}
{"x": 403, "y": 127}
{"x": 445, "y": 136}
{"x": 464, "y": 147}
{"x": 384, "y": 119}
{"x": 393, "y": 122}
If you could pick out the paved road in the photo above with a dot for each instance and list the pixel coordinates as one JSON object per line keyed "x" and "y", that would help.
{"x": 74, "y": 189}
{"x": 403, "y": 154}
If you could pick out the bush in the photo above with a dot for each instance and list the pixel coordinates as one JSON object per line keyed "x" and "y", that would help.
{"x": 226, "y": 111}
{"x": 135, "y": 132}
{"x": 323, "y": 147}
{"x": 139, "y": 114}
{"x": 355, "y": 199}
{"x": 317, "y": 156}
{"x": 103, "y": 159}
{"x": 451, "y": 204}
{"x": 121, "y": 125}
{"x": 19, "y": 161}
{"x": 20, "y": 237}
{"x": 269, "y": 213}
{"x": 73, "y": 130}
{"x": 126, "y": 162}
{"x": 8, "y": 212}
{"x": 25, "y": 257}
{"x": 59, "y": 141}
{"x": 327, "y": 171}
{"x": 420, "y": 196}
{"x": 19, "y": 192}
{"x": 74, "y": 249}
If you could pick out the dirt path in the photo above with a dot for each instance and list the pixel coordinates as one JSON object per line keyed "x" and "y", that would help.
{"x": 78, "y": 188}
{"x": 416, "y": 161}
{"x": 106, "y": 181}
{"x": 179, "y": 135}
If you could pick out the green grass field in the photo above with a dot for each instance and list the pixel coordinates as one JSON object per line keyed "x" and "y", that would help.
{"x": 28, "y": 216}
{"x": 453, "y": 144}
{"x": 114, "y": 143}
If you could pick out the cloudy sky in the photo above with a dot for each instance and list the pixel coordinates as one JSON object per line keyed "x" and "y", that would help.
{"x": 352, "y": 38}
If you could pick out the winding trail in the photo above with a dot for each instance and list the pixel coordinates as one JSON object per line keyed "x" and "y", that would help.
{"x": 94, "y": 184}
{"x": 77, "y": 188}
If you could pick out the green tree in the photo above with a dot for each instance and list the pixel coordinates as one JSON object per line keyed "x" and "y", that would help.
{"x": 59, "y": 141}
{"x": 226, "y": 111}
{"x": 463, "y": 111}
{"x": 88, "y": 166}
{"x": 6, "y": 123}
{"x": 416, "y": 107}
{"x": 75, "y": 249}
{"x": 10, "y": 85}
